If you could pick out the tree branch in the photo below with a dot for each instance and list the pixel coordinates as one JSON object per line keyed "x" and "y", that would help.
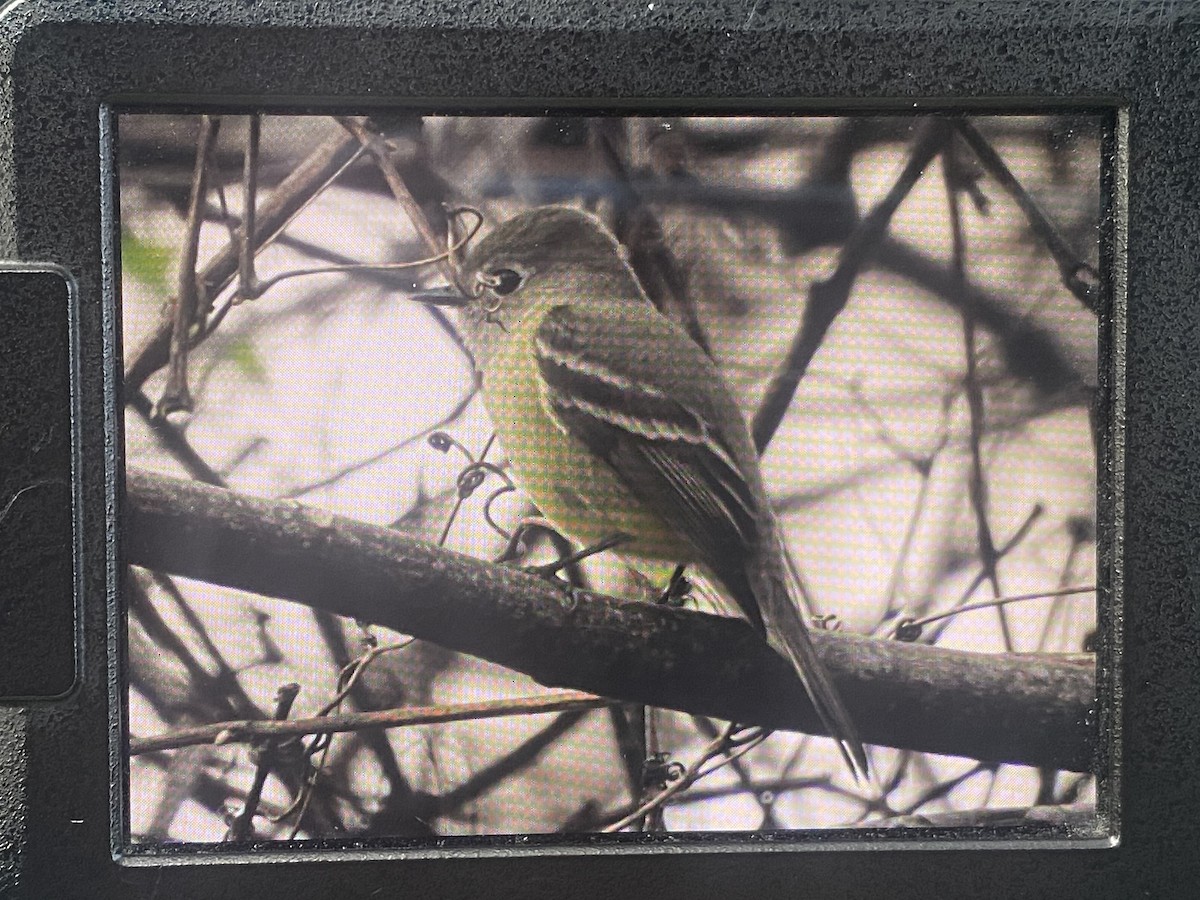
{"x": 1031, "y": 350}
{"x": 828, "y": 298}
{"x": 1079, "y": 277}
{"x": 292, "y": 194}
{"x": 248, "y": 730}
{"x": 1030, "y": 709}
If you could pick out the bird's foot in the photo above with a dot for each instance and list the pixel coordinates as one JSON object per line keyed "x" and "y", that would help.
{"x": 827, "y": 622}
{"x": 678, "y": 589}
{"x": 550, "y": 571}
{"x": 517, "y": 546}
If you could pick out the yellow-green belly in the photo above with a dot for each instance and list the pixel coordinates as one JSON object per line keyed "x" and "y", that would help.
{"x": 578, "y": 492}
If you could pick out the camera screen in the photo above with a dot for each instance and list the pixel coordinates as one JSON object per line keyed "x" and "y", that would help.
{"x": 837, "y": 377}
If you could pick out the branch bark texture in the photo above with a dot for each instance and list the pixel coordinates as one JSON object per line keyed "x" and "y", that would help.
{"x": 1032, "y": 709}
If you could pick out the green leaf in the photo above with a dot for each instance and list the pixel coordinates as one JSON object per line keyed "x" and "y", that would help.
{"x": 245, "y": 357}
{"x": 145, "y": 261}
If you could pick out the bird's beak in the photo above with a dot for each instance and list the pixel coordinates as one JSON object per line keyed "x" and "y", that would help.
{"x": 442, "y": 296}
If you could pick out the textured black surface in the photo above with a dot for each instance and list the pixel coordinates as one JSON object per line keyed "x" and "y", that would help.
{"x": 65, "y": 59}
{"x": 37, "y": 608}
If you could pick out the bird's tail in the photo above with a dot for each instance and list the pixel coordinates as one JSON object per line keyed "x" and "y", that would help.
{"x": 788, "y": 634}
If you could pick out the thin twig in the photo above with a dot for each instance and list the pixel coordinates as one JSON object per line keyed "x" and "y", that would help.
{"x": 746, "y": 780}
{"x": 922, "y": 465}
{"x": 186, "y": 309}
{"x": 350, "y": 674}
{"x": 981, "y": 576}
{"x": 978, "y": 488}
{"x": 453, "y": 246}
{"x": 451, "y": 416}
{"x": 989, "y": 604}
{"x": 356, "y": 268}
{"x": 294, "y": 193}
{"x": 1078, "y": 540}
{"x": 461, "y": 495}
{"x": 348, "y": 683}
{"x": 242, "y": 731}
{"x": 248, "y": 286}
{"x": 376, "y": 147}
{"x": 726, "y": 743}
{"x": 242, "y": 827}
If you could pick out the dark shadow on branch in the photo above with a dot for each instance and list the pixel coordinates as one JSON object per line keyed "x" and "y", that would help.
{"x": 512, "y": 763}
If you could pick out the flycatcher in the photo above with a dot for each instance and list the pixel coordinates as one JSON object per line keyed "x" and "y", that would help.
{"x": 615, "y": 422}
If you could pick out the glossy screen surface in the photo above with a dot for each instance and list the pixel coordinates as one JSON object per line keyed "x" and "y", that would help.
{"x": 906, "y": 311}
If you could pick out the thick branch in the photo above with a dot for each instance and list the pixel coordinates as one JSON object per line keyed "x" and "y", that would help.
{"x": 1025, "y": 709}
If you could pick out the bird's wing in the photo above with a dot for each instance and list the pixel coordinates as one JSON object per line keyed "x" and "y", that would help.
{"x": 645, "y": 398}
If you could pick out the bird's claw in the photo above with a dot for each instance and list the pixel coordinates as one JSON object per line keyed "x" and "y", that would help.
{"x": 678, "y": 591}
{"x": 549, "y": 572}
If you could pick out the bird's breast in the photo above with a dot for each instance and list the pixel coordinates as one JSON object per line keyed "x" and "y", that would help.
{"x": 572, "y": 487}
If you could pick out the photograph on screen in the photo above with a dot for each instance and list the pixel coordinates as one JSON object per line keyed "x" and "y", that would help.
{"x": 834, "y": 377}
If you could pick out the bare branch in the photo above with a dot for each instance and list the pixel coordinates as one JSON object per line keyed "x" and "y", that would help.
{"x": 375, "y": 146}
{"x": 726, "y": 744}
{"x": 246, "y": 730}
{"x": 186, "y": 309}
{"x": 291, "y": 196}
{"x": 1031, "y": 350}
{"x": 989, "y": 557}
{"x": 828, "y": 298}
{"x": 242, "y": 827}
{"x": 1080, "y": 278}
{"x": 248, "y": 286}
{"x": 1032, "y": 709}
{"x": 910, "y": 624}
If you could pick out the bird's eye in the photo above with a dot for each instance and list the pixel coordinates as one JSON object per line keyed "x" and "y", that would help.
{"x": 504, "y": 281}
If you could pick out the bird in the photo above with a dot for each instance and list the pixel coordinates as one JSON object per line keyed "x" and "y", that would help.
{"x": 616, "y": 422}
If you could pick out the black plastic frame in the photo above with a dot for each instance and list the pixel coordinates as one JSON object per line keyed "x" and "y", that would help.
{"x": 39, "y": 597}
{"x": 69, "y": 64}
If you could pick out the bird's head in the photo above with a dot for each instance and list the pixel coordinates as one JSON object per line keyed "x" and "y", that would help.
{"x": 547, "y": 256}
